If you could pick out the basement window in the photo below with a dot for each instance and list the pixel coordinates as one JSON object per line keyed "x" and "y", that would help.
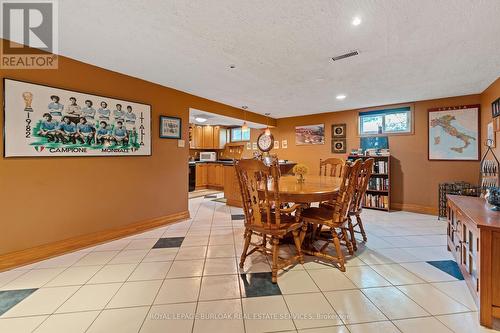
{"x": 238, "y": 134}
{"x": 383, "y": 122}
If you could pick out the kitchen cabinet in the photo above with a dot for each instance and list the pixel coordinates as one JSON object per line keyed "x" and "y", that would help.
{"x": 198, "y": 137}
{"x": 209, "y": 175}
{"x": 208, "y": 137}
{"x": 201, "y": 175}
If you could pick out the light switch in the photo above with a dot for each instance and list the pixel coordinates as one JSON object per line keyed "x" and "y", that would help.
{"x": 181, "y": 143}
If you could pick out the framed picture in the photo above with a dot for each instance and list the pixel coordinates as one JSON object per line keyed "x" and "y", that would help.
{"x": 495, "y": 108}
{"x": 284, "y": 144}
{"x": 44, "y": 121}
{"x": 339, "y": 146}
{"x": 170, "y": 127}
{"x": 453, "y": 133}
{"x": 276, "y": 144}
{"x": 310, "y": 135}
{"x": 491, "y": 135}
{"x": 338, "y": 130}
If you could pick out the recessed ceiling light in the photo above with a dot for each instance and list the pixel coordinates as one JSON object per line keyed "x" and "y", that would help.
{"x": 200, "y": 119}
{"x": 232, "y": 66}
{"x": 356, "y": 21}
{"x": 244, "y": 107}
{"x": 341, "y": 97}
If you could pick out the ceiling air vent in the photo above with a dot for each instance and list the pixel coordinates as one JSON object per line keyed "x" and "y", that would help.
{"x": 345, "y": 55}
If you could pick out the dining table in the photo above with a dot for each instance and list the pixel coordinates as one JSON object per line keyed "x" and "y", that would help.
{"x": 313, "y": 188}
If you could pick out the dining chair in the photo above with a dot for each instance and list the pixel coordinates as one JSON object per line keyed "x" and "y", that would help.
{"x": 335, "y": 217}
{"x": 264, "y": 214}
{"x": 365, "y": 172}
{"x": 331, "y": 167}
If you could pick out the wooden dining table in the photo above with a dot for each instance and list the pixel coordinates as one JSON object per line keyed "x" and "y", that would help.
{"x": 314, "y": 188}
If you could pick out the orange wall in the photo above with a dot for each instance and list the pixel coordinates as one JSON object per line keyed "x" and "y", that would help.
{"x": 487, "y": 97}
{"x": 43, "y": 200}
{"x": 414, "y": 178}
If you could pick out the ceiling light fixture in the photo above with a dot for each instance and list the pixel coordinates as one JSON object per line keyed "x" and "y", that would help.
{"x": 244, "y": 127}
{"x": 356, "y": 21}
{"x": 200, "y": 119}
{"x": 267, "y": 131}
{"x": 232, "y": 66}
{"x": 341, "y": 97}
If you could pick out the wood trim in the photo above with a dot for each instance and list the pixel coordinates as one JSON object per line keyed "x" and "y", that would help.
{"x": 46, "y": 251}
{"x": 414, "y": 208}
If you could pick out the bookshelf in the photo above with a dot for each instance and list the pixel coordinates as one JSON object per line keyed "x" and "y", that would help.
{"x": 378, "y": 194}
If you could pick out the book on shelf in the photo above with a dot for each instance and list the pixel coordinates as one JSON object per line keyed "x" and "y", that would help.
{"x": 380, "y": 167}
{"x": 376, "y": 201}
{"x": 378, "y": 184}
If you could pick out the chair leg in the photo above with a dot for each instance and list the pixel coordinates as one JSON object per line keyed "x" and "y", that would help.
{"x": 347, "y": 241}
{"x": 340, "y": 255}
{"x": 353, "y": 237}
{"x": 248, "y": 236}
{"x": 361, "y": 228}
{"x": 298, "y": 244}
{"x": 275, "y": 242}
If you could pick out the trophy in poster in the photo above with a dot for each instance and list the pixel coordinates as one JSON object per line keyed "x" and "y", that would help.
{"x": 28, "y": 99}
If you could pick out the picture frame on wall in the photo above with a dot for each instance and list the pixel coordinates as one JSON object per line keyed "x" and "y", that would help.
{"x": 454, "y": 133}
{"x": 495, "y": 108}
{"x": 170, "y": 127}
{"x": 339, "y": 130}
{"x": 339, "y": 146}
{"x": 310, "y": 135}
{"x": 45, "y": 121}
{"x": 491, "y": 135}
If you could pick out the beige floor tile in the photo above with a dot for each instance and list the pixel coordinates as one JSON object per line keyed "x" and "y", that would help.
{"x": 353, "y": 307}
{"x": 191, "y": 252}
{"x": 223, "y": 309}
{"x": 394, "y": 303}
{"x": 129, "y": 257}
{"x": 20, "y": 325}
{"x": 311, "y": 310}
{"x": 137, "y": 293}
{"x": 8, "y": 276}
{"x": 150, "y": 271}
{"x": 459, "y": 291}
{"x": 331, "y": 329}
{"x": 76, "y": 322}
{"x": 220, "y": 266}
{"x": 73, "y": 276}
{"x": 396, "y": 274}
{"x": 264, "y": 314}
{"x": 90, "y": 297}
{"x": 331, "y": 279}
{"x": 464, "y": 323}
{"x": 295, "y": 282}
{"x": 219, "y": 287}
{"x": 372, "y": 257}
{"x": 179, "y": 290}
{"x": 96, "y": 258}
{"x": 255, "y": 263}
{"x": 176, "y": 318}
{"x": 128, "y": 320}
{"x": 141, "y": 244}
{"x": 419, "y": 325}
{"x": 365, "y": 277}
{"x": 35, "y": 278}
{"x": 116, "y": 245}
{"x": 113, "y": 273}
{"x": 428, "y": 272}
{"x": 220, "y": 251}
{"x": 185, "y": 268}
{"x": 432, "y": 299}
{"x": 44, "y": 301}
{"x": 63, "y": 261}
{"x": 375, "y": 327}
{"x": 166, "y": 254}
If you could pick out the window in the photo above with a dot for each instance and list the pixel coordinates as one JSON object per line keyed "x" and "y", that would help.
{"x": 237, "y": 134}
{"x": 390, "y": 121}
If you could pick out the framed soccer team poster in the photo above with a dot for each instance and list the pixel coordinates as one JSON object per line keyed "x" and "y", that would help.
{"x": 170, "y": 127}
{"x": 45, "y": 121}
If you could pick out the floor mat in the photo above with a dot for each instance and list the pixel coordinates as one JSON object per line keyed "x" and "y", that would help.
{"x": 448, "y": 266}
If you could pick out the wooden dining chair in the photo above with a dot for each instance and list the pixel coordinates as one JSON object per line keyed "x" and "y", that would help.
{"x": 264, "y": 214}
{"x": 365, "y": 172}
{"x": 331, "y": 167}
{"x": 335, "y": 216}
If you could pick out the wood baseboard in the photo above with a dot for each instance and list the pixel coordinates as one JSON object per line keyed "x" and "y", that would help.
{"x": 414, "y": 208}
{"x": 46, "y": 251}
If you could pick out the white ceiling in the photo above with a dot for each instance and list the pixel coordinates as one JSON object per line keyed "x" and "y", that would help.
{"x": 409, "y": 50}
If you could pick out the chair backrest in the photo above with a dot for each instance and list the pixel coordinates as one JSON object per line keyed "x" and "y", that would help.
{"x": 335, "y": 166}
{"x": 365, "y": 172}
{"x": 345, "y": 196}
{"x": 253, "y": 175}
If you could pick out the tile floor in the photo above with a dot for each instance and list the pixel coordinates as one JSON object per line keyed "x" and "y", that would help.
{"x": 185, "y": 278}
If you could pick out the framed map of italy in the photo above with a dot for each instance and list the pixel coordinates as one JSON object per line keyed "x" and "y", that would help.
{"x": 454, "y": 133}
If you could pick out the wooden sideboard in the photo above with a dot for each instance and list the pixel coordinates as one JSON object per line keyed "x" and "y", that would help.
{"x": 474, "y": 240}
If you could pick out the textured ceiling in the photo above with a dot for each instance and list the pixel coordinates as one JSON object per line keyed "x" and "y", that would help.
{"x": 409, "y": 50}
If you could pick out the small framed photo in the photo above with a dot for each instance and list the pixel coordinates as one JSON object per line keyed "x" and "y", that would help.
{"x": 338, "y": 130}
{"x": 284, "y": 144}
{"x": 339, "y": 146}
{"x": 495, "y": 108}
{"x": 276, "y": 144}
{"x": 170, "y": 127}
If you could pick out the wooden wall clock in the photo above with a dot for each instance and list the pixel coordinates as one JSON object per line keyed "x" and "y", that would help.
{"x": 265, "y": 142}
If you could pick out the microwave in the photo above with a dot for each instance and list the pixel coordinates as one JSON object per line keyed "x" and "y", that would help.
{"x": 209, "y": 156}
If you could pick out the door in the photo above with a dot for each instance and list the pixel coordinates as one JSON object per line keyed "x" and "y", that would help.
{"x": 198, "y": 137}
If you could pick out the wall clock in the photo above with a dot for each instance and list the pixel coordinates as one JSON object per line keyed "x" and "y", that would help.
{"x": 265, "y": 142}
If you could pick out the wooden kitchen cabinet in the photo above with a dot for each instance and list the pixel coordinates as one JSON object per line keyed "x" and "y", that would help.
{"x": 208, "y": 137}
{"x": 219, "y": 175}
{"x": 198, "y": 137}
{"x": 201, "y": 175}
{"x": 211, "y": 170}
